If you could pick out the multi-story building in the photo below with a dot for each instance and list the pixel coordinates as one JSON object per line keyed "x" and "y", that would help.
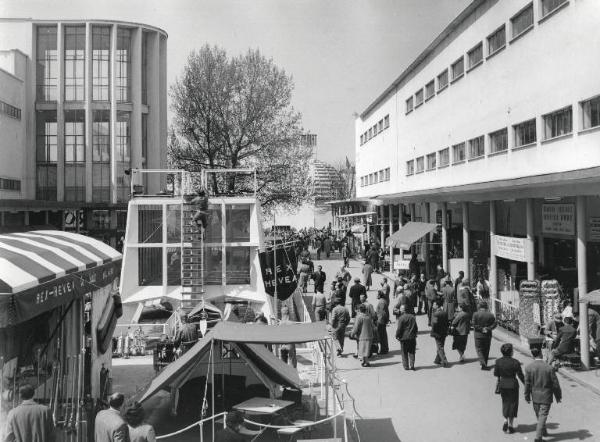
{"x": 493, "y": 132}
{"x": 88, "y": 100}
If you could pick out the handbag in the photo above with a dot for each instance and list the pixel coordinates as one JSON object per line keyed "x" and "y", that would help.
{"x": 497, "y": 391}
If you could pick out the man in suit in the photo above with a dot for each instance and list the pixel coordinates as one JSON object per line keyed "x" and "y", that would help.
{"x": 431, "y": 294}
{"x": 29, "y": 421}
{"x": 355, "y": 291}
{"x": 439, "y": 331}
{"x": 565, "y": 340}
{"x": 541, "y": 384}
{"x": 484, "y": 322}
{"x": 383, "y": 317}
{"x": 449, "y": 298}
{"x": 340, "y": 318}
{"x": 319, "y": 279}
{"x": 406, "y": 333}
{"x": 109, "y": 425}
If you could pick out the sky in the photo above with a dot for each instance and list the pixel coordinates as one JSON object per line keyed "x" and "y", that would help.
{"x": 341, "y": 53}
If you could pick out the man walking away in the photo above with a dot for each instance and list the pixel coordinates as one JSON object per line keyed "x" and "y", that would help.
{"x": 439, "y": 331}
{"x": 461, "y": 326}
{"x": 541, "y": 384}
{"x": 319, "y": 306}
{"x": 406, "y": 332}
{"x": 421, "y": 284}
{"x": 449, "y": 298}
{"x": 110, "y": 426}
{"x": 431, "y": 295}
{"x": 383, "y": 316}
{"x": 484, "y": 322}
{"x": 340, "y": 318}
{"x": 355, "y": 291}
{"x": 346, "y": 254}
{"x": 29, "y": 421}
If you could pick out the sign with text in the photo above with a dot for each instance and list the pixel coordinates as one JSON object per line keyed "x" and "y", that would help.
{"x": 400, "y": 264}
{"x": 558, "y": 219}
{"x": 508, "y": 247}
{"x": 594, "y": 228}
{"x": 278, "y": 269}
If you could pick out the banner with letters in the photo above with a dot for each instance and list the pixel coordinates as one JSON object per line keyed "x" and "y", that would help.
{"x": 509, "y": 247}
{"x": 558, "y": 219}
{"x": 278, "y": 270}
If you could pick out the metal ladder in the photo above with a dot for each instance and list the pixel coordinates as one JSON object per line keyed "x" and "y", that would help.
{"x": 192, "y": 259}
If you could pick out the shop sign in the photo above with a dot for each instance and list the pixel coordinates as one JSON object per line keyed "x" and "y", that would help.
{"x": 358, "y": 228}
{"x": 509, "y": 247}
{"x": 400, "y": 264}
{"x": 595, "y": 228}
{"x": 558, "y": 219}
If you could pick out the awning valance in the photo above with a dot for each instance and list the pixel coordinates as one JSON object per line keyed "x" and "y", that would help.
{"x": 43, "y": 269}
{"x": 408, "y": 234}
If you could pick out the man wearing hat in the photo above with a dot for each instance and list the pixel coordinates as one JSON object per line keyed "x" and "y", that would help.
{"x": 355, "y": 291}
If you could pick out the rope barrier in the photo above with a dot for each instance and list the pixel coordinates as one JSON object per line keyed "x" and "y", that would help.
{"x": 183, "y": 430}
{"x": 299, "y": 425}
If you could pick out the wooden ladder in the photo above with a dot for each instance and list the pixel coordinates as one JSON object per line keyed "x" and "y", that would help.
{"x": 192, "y": 258}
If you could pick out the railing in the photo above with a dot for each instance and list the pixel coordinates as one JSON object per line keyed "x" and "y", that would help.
{"x": 199, "y": 424}
{"x": 507, "y": 315}
{"x": 154, "y": 329}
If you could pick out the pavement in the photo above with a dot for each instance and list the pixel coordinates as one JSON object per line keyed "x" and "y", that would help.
{"x": 449, "y": 404}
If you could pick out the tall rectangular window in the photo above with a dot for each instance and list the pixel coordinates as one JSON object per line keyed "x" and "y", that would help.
{"x": 458, "y": 68}
{"x": 419, "y": 97}
{"x": 591, "y": 113}
{"x": 123, "y": 154}
{"x": 444, "y": 157}
{"x": 476, "y": 148}
{"x": 431, "y": 161}
{"x": 410, "y": 167}
{"x": 75, "y": 63}
{"x": 558, "y": 123}
{"x": 475, "y": 56}
{"x": 409, "y": 105}
{"x": 458, "y": 153}
{"x": 145, "y": 138}
{"x": 420, "y": 164}
{"x": 145, "y": 68}
{"x": 46, "y": 155}
{"x": 75, "y": 155}
{"x": 522, "y": 21}
{"x": 386, "y": 122}
{"x": 499, "y": 141}
{"x": 525, "y": 133}
{"x": 101, "y": 156}
{"x": 497, "y": 40}
{"x": 429, "y": 90}
{"x": 47, "y": 64}
{"x": 442, "y": 80}
{"x": 123, "y": 65}
{"x": 237, "y": 260}
{"x": 387, "y": 174}
{"x": 550, "y": 5}
{"x": 101, "y": 63}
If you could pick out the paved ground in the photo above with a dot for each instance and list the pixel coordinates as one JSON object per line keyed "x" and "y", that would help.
{"x": 449, "y": 404}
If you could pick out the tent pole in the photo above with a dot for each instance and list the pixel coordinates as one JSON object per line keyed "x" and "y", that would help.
{"x": 333, "y": 397}
{"x": 326, "y": 380}
{"x": 212, "y": 389}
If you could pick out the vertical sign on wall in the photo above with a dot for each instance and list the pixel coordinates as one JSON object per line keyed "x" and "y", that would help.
{"x": 558, "y": 219}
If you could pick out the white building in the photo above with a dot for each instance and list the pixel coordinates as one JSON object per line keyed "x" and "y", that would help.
{"x": 493, "y": 132}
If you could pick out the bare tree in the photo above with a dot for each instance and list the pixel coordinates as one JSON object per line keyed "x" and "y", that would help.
{"x": 236, "y": 112}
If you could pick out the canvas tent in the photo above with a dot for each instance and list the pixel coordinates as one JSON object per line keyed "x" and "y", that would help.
{"x": 409, "y": 234}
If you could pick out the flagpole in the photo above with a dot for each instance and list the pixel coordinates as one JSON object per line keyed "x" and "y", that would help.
{"x": 275, "y": 265}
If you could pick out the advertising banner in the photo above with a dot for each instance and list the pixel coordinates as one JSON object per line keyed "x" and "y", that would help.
{"x": 509, "y": 247}
{"x": 558, "y": 219}
{"x": 278, "y": 270}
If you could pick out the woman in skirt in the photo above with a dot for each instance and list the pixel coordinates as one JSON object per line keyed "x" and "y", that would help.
{"x": 460, "y": 327}
{"x": 507, "y": 369}
{"x": 362, "y": 331}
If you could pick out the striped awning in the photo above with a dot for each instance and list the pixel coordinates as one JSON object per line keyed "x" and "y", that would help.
{"x": 42, "y": 269}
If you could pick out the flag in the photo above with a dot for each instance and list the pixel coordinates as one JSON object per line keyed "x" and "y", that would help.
{"x": 284, "y": 277}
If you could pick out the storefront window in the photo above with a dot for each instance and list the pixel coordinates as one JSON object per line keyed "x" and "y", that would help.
{"x": 213, "y": 266}
{"x": 150, "y": 224}
{"x": 150, "y": 266}
{"x": 238, "y": 265}
{"x": 238, "y": 223}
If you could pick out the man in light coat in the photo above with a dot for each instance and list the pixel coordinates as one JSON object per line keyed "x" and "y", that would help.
{"x": 29, "y": 421}
{"x": 110, "y": 426}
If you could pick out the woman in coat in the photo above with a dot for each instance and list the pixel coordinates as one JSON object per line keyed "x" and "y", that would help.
{"x": 362, "y": 331}
{"x": 461, "y": 326}
{"x": 367, "y": 270}
{"x": 507, "y": 369}
{"x": 139, "y": 431}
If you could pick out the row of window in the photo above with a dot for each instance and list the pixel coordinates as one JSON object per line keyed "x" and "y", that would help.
{"x": 520, "y": 23}
{"x": 10, "y": 110}
{"x": 555, "y": 124}
{"x": 10, "y": 184}
{"x": 375, "y": 177}
{"x": 74, "y": 64}
{"x": 377, "y": 128}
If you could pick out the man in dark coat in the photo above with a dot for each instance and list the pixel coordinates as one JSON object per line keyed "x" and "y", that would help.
{"x": 594, "y": 328}
{"x": 449, "y": 300}
{"x": 29, "y": 421}
{"x": 431, "y": 294}
{"x": 383, "y": 317}
{"x": 439, "y": 331}
{"x": 541, "y": 384}
{"x": 484, "y": 322}
{"x": 340, "y": 318}
{"x": 319, "y": 278}
{"x": 355, "y": 291}
{"x": 187, "y": 335}
{"x": 565, "y": 340}
{"x": 406, "y": 332}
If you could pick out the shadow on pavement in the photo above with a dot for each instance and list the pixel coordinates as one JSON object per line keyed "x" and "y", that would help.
{"x": 377, "y": 429}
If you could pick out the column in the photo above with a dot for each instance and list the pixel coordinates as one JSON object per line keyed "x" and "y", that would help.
{"x": 493, "y": 277}
{"x": 413, "y": 211}
{"x": 400, "y": 212}
{"x": 445, "y": 236}
{"x": 466, "y": 251}
{"x": 530, "y": 250}
{"x": 582, "y": 279}
{"x": 381, "y": 210}
{"x": 427, "y": 240}
{"x": 391, "y": 223}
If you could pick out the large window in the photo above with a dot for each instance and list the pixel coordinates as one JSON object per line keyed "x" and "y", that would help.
{"x": 150, "y": 223}
{"x": 458, "y": 68}
{"x": 476, "y": 148}
{"x": 429, "y": 90}
{"x": 173, "y": 223}
{"x": 101, "y": 156}
{"x": 409, "y": 105}
{"x": 420, "y": 164}
{"x": 75, "y": 155}
{"x": 475, "y": 56}
{"x": 150, "y": 266}
{"x": 410, "y": 167}
{"x": 47, "y": 64}
{"x": 444, "y": 155}
{"x": 458, "y": 153}
{"x": 174, "y": 265}
{"x": 237, "y": 265}
{"x": 46, "y": 155}
{"x": 442, "y": 80}
{"x": 591, "y": 113}
{"x": 123, "y": 154}
{"x": 145, "y": 68}
{"x": 525, "y": 133}
{"x": 75, "y": 63}
{"x": 558, "y": 123}
{"x": 213, "y": 266}
{"x": 499, "y": 141}
{"x": 386, "y": 121}
{"x": 550, "y": 5}
{"x": 497, "y": 40}
{"x": 100, "y": 63}
{"x": 237, "y": 222}
{"x": 431, "y": 161}
{"x": 123, "y": 65}
{"x": 522, "y": 21}
{"x": 419, "y": 97}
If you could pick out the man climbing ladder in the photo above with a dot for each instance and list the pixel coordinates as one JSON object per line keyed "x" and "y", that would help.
{"x": 201, "y": 215}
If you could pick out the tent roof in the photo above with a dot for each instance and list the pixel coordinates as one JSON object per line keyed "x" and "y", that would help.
{"x": 208, "y": 307}
{"x": 270, "y": 334}
{"x": 592, "y": 297}
{"x": 409, "y": 233}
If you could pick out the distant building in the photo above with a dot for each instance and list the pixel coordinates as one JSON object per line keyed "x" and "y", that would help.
{"x": 82, "y": 102}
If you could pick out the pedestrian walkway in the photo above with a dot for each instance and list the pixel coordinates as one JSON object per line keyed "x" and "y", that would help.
{"x": 448, "y": 404}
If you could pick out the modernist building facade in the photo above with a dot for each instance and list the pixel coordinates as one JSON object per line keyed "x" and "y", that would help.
{"x": 91, "y": 106}
{"x": 493, "y": 132}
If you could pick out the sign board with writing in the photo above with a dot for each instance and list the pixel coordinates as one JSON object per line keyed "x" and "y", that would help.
{"x": 558, "y": 219}
{"x": 594, "y": 228}
{"x": 509, "y": 247}
{"x": 400, "y": 264}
